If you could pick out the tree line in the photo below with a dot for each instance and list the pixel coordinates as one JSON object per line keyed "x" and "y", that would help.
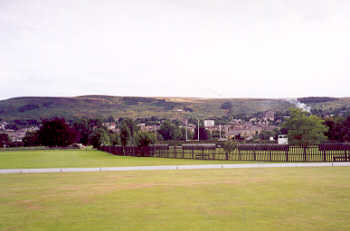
{"x": 61, "y": 133}
{"x": 301, "y": 128}
{"x": 305, "y": 128}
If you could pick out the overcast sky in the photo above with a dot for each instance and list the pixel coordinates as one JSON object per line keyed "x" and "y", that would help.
{"x": 201, "y": 48}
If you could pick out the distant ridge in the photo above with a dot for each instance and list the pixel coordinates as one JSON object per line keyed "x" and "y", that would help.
{"x": 103, "y": 106}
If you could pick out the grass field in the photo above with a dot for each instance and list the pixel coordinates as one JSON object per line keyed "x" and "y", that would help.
{"x": 82, "y": 158}
{"x": 291, "y": 199}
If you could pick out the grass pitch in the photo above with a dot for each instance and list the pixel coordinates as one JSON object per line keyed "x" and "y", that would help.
{"x": 313, "y": 199}
{"x": 83, "y": 158}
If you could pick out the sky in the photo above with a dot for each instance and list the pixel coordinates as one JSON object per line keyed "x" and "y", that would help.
{"x": 186, "y": 48}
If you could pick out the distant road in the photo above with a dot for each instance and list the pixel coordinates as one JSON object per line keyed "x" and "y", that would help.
{"x": 173, "y": 167}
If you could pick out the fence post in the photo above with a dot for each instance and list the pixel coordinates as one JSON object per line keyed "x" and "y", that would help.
{"x": 346, "y": 157}
{"x": 304, "y": 153}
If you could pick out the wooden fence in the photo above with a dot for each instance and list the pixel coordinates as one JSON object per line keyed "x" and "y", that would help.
{"x": 243, "y": 152}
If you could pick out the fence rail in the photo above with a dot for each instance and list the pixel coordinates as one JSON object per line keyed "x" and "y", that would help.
{"x": 243, "y": 152}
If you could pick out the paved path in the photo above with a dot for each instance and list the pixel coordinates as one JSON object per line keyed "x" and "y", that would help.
{"x": 174, "y": 167}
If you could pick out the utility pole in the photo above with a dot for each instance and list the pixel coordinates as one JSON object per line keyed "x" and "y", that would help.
{"x": 198, "y": 129}
{"x": 186, "y": 129}
{"x": 155, "y": 131}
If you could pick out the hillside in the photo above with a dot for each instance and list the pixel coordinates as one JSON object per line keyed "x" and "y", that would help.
{"x": 98, "y": 106}
{"x": 27, "y": 108}
{"x": 336, "y": 106}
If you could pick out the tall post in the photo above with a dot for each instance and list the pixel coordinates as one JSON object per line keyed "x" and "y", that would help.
{"x": 155, "y": 131}
{"x": 186, "y": 130}
{"x": 198, "y": 129}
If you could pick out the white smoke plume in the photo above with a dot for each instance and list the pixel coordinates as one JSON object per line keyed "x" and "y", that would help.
{"x": 300, "y": 105}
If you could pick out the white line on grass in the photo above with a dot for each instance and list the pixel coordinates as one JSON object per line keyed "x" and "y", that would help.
{"x": 173, "y": 167}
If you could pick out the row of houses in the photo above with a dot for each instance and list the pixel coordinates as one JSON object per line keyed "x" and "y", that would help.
{"x": 246, "y": 129}
{"x": 18, "y": 135}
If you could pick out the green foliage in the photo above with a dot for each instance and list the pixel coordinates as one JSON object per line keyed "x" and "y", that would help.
{"x": 4, "y": 140}
{"x": 183, "y": 134}
{"x": 143, "y": 139}
{"x": 169, "y": 131}
{"x": 339, "y": 129}
{"x": 99, "y": 137}
{"x": 203, "y": 133}
{"x": 125, "y": 135}
{"x": 304, "y": 128}
{"x": 229, "y": 146}
{"x": 31, "y": 139}
{"x": 131, "y": 125}
{"x": 265, "y": 135}
{"x": 85, "y": 128}
{"x": 115, "y": 138}
{"x": 56, "y": 132}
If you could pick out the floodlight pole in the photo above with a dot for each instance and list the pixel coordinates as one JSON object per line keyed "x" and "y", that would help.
{"x": 155, "y": 131}
{"x": 198, "y": 129}
{"x": 186, "y": 130}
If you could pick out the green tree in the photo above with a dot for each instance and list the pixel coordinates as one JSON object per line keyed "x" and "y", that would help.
{"x": 115, "y": 138}
{"x": 4, "y": 140}
{"x": 31, "y": 139}
{"x": 125, "y": 135}
{"x": 133, "y": 129}
{"x": 143, "y": 139}
{"x": 183, "y": 134}
{"x": 85, "y": 127}
{"x": 339, "y": 129}
{"x": 83, "y": 130}
{"x": 99, "y": 137}
{"x": 266, "y": 134}
{"x": 203, "y": 133}
{"x": 304, "y": 128}
{"x": 56, "y": 132}
{"x": 229, "y": 146}
{"x": 169, "y": 131}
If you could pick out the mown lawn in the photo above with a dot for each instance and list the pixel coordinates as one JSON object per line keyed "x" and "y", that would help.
{"x": 82, "y": 158}
{"x": 313, "y": 199}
